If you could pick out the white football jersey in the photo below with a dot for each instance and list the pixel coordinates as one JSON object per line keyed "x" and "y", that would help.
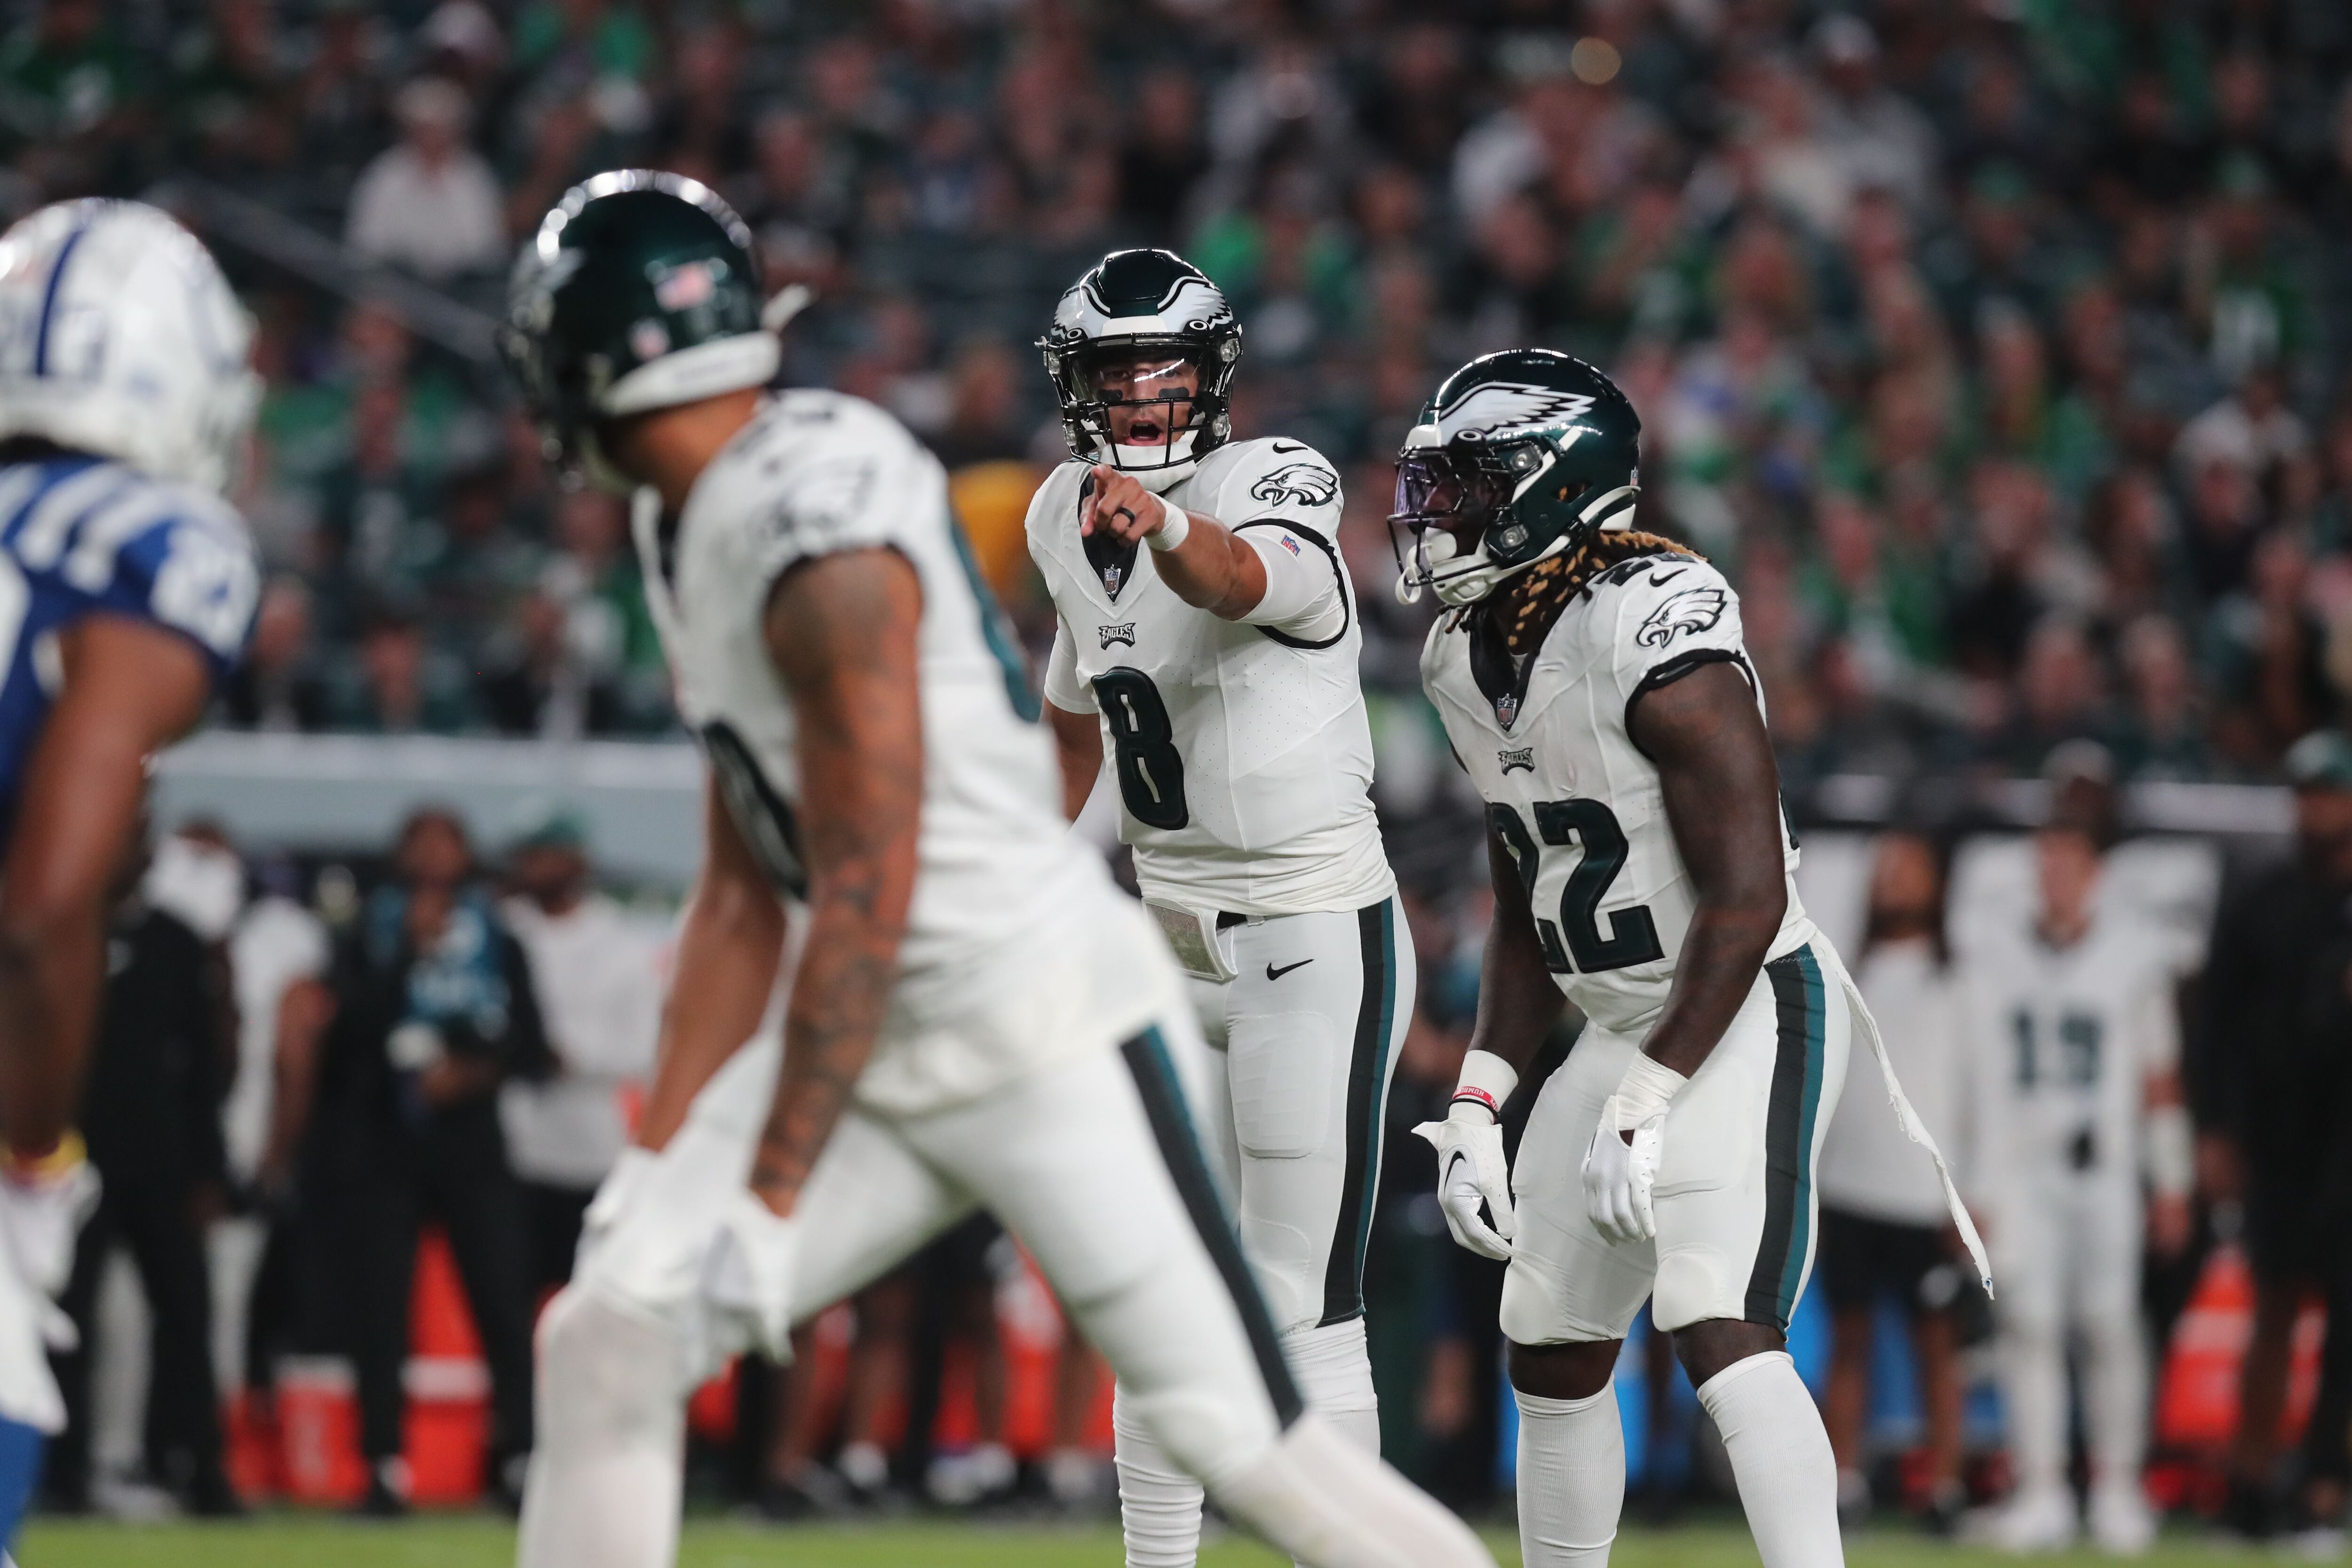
{"x": 1242, "y": 754}
{"x": 1018, "y": 946}
{"x": 2063, "y": 1041}
{"x": 1575, "y": 800}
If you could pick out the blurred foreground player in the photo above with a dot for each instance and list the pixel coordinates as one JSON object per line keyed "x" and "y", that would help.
{"x": 1594, "y": 686}
{"x": 1207, "y": 640}
{"x": 127, "y": 588}
{"x": 978, "y": 1021}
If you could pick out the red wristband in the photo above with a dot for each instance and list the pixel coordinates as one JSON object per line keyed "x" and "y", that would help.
{"x": 1476, "y": 1096}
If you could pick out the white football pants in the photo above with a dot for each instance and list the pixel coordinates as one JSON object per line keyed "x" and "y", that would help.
{"x": 1093, "y": 1164}
{"x": 2067, "y": 1249}
{"x": 1303, "y": 1043}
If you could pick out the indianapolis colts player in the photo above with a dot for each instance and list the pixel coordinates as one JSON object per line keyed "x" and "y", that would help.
{"x": 978, "y": 1018}
{"x": 1207, "y": 640}
{"x": 127, "y": 588}
{"x": 1595, "y": 687}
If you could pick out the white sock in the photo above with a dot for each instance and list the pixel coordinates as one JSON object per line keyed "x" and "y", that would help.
{"x": 1571, "y": 1478}
{"x": 1330, "y": 1505}
{"x": 2115, "y": 1398}
{"x": 1780, "y": 1458}
{"x": 2033, "y": 1397}
{"x": 1333, "y": 1369}
{"x": 1159, "y": 1504}
{"x": 605, "y": 1480}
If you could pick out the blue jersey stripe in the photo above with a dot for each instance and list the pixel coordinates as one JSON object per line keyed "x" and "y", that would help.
{"x": 49, "y": 299}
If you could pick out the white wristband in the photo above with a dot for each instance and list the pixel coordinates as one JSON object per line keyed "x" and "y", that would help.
{"x": 1171, "y": 531}
{"x": 1486, "y": 1081}
{"x": 2172, "y": 1151}
{"x": 1648, "y": 1087}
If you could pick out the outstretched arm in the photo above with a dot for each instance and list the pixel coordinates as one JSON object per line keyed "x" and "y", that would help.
{"x": 841, "y": 631}
{"x": 131, "y": 688}
{"x": 1210, "y": 568}
{"x": 1722, "y": 794}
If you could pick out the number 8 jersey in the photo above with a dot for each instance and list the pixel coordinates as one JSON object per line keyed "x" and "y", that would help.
{"x": 1570, "y": 794}
{"x": 1241, "y": 754}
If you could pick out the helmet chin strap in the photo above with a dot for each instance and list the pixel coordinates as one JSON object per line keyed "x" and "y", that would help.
{"x": 1143, "y": 464}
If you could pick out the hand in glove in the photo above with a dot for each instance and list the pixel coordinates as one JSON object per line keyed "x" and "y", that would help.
{"x": 1619, "y": 1175}
{"x": 747, "y": 1276}
{"x": 1471, "y": 1169}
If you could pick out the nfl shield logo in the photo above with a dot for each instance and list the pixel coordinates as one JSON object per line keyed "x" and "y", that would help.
{"x": 1507, "y": 707}
{"x": 1112, "y": 576}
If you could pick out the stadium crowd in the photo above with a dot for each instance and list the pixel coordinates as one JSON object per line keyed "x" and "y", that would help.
{"x": 1987, "y": 343}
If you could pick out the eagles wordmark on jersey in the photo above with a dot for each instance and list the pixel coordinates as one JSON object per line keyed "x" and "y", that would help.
{"x": 1241, "y": 754}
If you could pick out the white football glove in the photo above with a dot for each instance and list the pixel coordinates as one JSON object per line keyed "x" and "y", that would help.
{"x": 1618, "y": 1176}
{"x": 747, "y": 1278}
{"x": 1471, "y": 1169}
{"x": 42, "y": 1211}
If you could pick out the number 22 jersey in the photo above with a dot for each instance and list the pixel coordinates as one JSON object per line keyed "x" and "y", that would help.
{"x": 1572, "y": 797}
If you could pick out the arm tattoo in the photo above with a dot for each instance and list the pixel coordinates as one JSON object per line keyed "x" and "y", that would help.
{"x": 841, "y": 631}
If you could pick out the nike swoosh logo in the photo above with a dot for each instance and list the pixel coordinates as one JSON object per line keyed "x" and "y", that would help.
{"x": 1294, "y": 446}
{"x": 1274, "y": 973}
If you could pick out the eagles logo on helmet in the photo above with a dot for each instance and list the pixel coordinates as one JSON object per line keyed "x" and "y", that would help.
{"x": 1139, "y": 316}
{"x": 1519, "y": 456}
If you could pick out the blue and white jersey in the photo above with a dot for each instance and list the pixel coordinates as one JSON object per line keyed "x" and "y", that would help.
{"x": 83, "y": 536}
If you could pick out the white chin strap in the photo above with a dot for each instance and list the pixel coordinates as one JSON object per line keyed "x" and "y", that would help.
{"x": 1158, "y": 468}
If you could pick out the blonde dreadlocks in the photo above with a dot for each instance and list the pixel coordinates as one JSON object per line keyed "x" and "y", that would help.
{"x": 1525, "y": 607}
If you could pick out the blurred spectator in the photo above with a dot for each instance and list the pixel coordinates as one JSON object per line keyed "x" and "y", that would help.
{"x": 434, "y": 1009}
{"x": 398, "y": 683}
{"x": 2272, "y": 1098}
{"x": 599, "y": 985}
{"x": 430, "y": 204}
{"x": 278, "y": 686}
{"x": 151, "y": 1114}
{"x": 278, "y": 954}
{"x": 1884, "y": 1231}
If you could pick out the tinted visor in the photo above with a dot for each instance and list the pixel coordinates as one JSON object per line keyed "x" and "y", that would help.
{"x": 1138, "y": 374}
{"x": 1436, "y": 488}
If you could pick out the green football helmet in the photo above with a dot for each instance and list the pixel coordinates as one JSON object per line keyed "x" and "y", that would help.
{"x": 1520, "y": 455}
{"x": 641, "y": 290}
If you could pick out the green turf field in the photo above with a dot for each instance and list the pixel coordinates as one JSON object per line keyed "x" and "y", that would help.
{"x": 283, "y": 1542}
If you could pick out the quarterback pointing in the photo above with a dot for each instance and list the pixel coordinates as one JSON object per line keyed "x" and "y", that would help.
{"x": 1593, "y": 683}
{"x": 1207, "y": 640}
{"x": 978, "y": 1018}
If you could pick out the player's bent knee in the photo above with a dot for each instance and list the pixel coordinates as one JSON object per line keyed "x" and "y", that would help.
{"x": 607, "y": 1376}
{"x": 1576, "y": 1368}
{"x": 1535, "y": 1308}
{"x": 1693, "y": 1286}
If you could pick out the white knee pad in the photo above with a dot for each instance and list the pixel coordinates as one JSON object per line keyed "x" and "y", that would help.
{"x": 606, "y": 1477}
{"x": 1535, "y": 1308}
{"x": 1330, "y": 1505}
{"x": 1693, "y": 1284}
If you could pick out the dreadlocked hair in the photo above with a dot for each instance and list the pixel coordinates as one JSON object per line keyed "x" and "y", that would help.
{"x": 1525, "y": 607}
